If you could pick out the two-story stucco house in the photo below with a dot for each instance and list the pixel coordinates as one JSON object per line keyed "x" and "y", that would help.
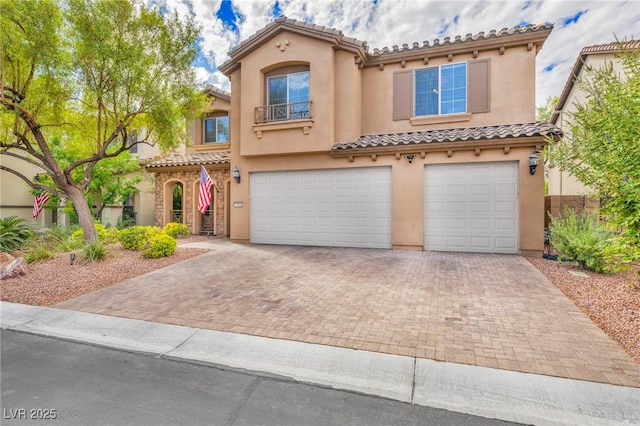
{"x": 422, "y": 147}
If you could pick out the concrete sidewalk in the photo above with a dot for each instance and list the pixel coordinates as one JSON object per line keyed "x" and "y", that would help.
{"x": 482, "y": 391}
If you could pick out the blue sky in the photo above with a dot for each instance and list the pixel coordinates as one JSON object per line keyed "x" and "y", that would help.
{"x": 380, "y": 23}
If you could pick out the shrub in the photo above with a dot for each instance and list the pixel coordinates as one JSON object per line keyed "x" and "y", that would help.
{"x": 38, "y": 253}
{"x": 160, "y": 245}
{"x": 107, "y": 235}
{"x": 95, "y": 250}
{"x": 14, "y": 232}
{"x": 176, "y": 229}
{"x": 134, "y": 238}
{"x": 581, "y": 237}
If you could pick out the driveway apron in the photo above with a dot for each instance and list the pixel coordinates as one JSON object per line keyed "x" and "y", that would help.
{"x": 488, "y": 310}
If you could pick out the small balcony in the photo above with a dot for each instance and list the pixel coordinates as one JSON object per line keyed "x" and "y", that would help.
{"x": 283, "y": 112}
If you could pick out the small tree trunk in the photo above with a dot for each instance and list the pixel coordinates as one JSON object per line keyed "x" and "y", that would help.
{"x": 84, "y": 213}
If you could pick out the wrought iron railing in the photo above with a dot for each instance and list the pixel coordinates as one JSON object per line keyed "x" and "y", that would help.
{"x": 283, "y": 112}
{"x": 176, "y": 216}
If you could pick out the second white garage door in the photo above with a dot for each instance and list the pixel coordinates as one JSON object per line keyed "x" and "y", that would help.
{"x": 336, "y": 207}
{"x": 472, "y": 207}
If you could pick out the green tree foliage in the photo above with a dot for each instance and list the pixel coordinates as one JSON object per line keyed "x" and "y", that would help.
{"x": 543, "y": 113}
{"x": 602, "y": 148}
{"x": 85, "y": 74}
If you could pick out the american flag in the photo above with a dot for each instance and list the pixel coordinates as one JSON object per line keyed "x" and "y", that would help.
{"x": 38, "y": 203}
{"x": 204, "y": 200}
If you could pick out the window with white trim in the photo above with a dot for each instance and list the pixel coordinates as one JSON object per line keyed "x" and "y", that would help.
{"x": 441, "y": 90}
{"x": 216, "y": 129}
{"x": 288, "y": 96}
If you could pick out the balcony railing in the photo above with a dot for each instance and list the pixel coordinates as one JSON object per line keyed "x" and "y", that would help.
{"x": 283, "y": 112}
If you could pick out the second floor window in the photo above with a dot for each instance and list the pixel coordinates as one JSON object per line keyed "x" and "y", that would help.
{"x": 288, "y": 96}
{"x": 441, "y": 90}
{"x": 216, "y": 129}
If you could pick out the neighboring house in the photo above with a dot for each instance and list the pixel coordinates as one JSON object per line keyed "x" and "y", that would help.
{"x": 597, "y": 57}
{"x": 15, "y": 195}
{"x": 16, "y": 198}
{"x": 177, "y": 177}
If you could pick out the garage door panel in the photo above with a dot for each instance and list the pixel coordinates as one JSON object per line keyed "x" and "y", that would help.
{"x": 481, "y": 218}
{"x": 339, "y": 207}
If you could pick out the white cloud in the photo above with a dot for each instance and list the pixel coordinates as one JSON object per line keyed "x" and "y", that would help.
{"x": 406, "y": 21}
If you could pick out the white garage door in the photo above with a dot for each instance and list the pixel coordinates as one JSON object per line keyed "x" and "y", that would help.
{"x": 338, "y": 207}
{"x": 472, "y": 207}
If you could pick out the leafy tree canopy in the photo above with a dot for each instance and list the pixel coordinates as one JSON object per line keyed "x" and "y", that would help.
{"x": 84, "y": 74}
{"x": 602, "y": 149}
{"x": 543, "y": 113}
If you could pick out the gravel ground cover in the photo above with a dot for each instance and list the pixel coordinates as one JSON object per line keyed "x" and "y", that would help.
{"x": 611, "y": 301}
{"x": 56, "y": 280}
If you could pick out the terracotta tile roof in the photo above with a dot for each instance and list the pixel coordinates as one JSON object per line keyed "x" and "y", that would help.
{"x": 612, "y": 47}
{"x": 195, "y": 159}
{"x": 538, "y": 128}
{"x": 447, "y": 41}
{"x": 216, "y": 91}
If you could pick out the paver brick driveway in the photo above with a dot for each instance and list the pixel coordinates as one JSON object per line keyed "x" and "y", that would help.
{"x": 479, "y": 309}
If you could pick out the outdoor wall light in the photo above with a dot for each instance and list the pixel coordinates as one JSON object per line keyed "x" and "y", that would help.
{"x": 533, "y": 162}
{"x": 236, "y": 174}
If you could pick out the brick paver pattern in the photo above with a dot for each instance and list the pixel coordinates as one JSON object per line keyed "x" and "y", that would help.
{"x": 480, "y": 309}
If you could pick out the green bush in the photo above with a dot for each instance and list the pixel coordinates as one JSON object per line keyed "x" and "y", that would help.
{"x": 95, "y": 250}
{"x": 134, "y": 238}
{"x": 581, "y": 237}
{"x": 176, "y": 229}
{"x": 14, "y": 233}
{"x": 160, "y": 245}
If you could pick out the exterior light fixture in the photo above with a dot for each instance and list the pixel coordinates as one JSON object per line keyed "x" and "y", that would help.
{"x": 236, "y": 174}
{"x": 72, "y": 257}
{"x": 533, "y": 162}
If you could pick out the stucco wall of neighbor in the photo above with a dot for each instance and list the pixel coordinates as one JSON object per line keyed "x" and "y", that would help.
{"x": 408, "y": 191}
{"x": 190, "y": 180}
{"x": 512, "y": 93}
{"x": 562, "y": 182}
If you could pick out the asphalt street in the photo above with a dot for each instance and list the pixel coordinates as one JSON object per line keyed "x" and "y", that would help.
{"x": 46, "y": 380}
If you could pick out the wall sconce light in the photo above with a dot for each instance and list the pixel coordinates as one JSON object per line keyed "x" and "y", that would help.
{"x": 533, "y": 162}
{"x": 236, "y": 174}
{"x": 72, "y": 257}
{"x": 410, "y": 157}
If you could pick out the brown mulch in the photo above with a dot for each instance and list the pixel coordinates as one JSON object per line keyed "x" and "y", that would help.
{"x": 611, "y": 301}
{"x": 56, "y": 280}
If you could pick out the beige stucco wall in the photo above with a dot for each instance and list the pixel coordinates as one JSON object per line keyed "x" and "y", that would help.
{"x": 512, "y": 93}
{"x": 560, "y": 182}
